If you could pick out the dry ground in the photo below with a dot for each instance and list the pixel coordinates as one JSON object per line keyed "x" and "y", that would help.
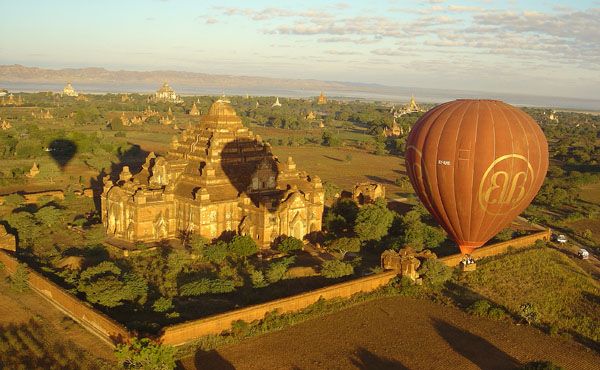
{"x": 330, "y": 165}
{"x": 18, "y": 308}
{"x": 399, "y": 333}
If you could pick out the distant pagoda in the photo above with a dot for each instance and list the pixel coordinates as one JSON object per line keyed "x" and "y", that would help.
{"x": 69, "y": 90}
{"x": 322, "y": 99}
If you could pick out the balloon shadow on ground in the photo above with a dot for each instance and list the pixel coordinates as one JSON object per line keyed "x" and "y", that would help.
{"x": 366, "y": 360}
{"x": 211, "y": 360}
{"x": 474, "y": 348}
{"x": 62, "y": 151}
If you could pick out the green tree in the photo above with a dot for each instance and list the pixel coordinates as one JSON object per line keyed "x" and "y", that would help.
{"x": 205, "y": 285}
{"x": 328, "y": 139}
{"x": 105, "y": 285}
{"x": 116, "y": 124}
{"x": 277, "y": 269}
{"x": 20, "y": 277}
{"x": 373, "y": 221}
{"x": 198, "y": 244}
{"x": 505, "y": 234}
{"x": 49, "y": 216}
{"x": 14, "y": 200}
{"x": 290, "y": 245}
{"x": 146, "y": 355}
{"x": 434, "y": 272}
{"x": 243, "y": 246}
{"x": 345, "y": 245}
{"x": 95, "y": 234}
{"x": 335, "y": 269}
{"x": 216, "y": 252}
{"x": 163, "y": 304}
{"x": 331, "y": 190}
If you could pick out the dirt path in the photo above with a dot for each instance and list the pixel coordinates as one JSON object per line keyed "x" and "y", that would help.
{"x": 399, "y": 333}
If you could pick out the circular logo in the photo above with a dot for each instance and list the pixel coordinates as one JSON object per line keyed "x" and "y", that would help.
{"x": 501, "y": 191}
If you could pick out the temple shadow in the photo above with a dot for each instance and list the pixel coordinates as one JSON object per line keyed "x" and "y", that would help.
{"x": 333, "y": 158}
{"x": 380, "y": 179}
{"x": 366, "y": 360}
{"x": 474, "y": 348}
{"x": 211, "y": 360}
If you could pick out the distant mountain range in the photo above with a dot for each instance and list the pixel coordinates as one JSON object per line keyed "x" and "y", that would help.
{"x": 19, "y": 73}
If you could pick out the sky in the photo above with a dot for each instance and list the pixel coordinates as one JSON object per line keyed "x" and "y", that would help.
{"x": 528, "y": 47}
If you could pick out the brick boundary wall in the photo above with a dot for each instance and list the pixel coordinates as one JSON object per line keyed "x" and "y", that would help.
{"x": 92, "y": 320}
{"x": 493, "y": 249}
{"x": 183, "y": 333}
{"x": 112, "y": 332}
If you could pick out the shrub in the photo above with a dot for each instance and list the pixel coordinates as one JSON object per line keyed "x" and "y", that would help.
{"x": 239, "y": 329}
{"x": 335, "y": 269}
{"x": 479, "y": 308}
{"x": 258, "y": 279}
{"x": 163, "y": 304}
{"x": 290, "y": 245}
{"x": 496, "y": 313}
{"x": 530, "y": 313}
{"x": 20, "y": 278}
{"x": 143, "y": 354}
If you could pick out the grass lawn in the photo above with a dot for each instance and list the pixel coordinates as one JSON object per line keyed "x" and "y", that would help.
{"x": 565, "y": 295}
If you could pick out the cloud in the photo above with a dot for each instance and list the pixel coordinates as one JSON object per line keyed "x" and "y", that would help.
{"x": 361, "y": 40}
{"x": 388, "y": 52}
{"x": 342, "y": 52}
{"x": 465, "y": 9}
{"x": 563, "y": 35}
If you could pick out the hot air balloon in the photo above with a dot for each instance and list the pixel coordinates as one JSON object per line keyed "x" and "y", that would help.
{"x": 476, "y": 165}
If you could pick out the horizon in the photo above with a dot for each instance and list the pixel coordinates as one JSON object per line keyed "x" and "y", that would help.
{"x": 530, "y": 47}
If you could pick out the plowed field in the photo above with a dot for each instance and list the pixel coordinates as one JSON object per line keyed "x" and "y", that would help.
{"x": 399, "y": 333}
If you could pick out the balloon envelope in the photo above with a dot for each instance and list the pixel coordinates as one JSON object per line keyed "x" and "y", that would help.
{"x": 476, "y": 165}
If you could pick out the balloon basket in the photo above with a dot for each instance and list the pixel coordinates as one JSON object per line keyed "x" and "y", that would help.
{"x": 468, "y": 263}
{"x": 469, "y": 267}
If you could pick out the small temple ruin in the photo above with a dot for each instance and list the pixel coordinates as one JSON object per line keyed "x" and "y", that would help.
{"x": 367, "y": 192}
{"x": 216, "y": 178}
{"x": 405, "y": 262}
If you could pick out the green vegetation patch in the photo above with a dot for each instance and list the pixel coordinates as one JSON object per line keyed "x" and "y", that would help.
{"x": 563, "y": 293}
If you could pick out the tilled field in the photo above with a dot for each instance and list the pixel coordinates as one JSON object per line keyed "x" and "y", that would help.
{"x": 399, "y": 333}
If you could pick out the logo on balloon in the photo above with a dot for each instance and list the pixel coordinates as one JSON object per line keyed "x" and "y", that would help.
{"x": 501, "y": 191}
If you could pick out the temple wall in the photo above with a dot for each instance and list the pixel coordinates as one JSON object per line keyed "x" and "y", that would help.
{"x": 493, "y": 249}
{"x": 192, "y": 330}
{"x": 92, "y": 320}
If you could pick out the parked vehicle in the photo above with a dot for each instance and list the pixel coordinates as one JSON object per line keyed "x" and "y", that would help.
{"x": 583, "y": 254}
{"x": 561, "y": 239}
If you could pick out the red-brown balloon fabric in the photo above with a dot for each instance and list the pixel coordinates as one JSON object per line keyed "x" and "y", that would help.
{"x": 476, "y": 165}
